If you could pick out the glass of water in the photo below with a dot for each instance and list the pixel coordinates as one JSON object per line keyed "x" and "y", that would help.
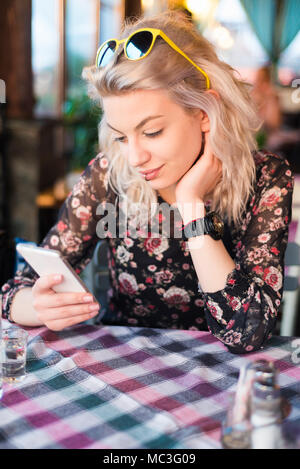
{"x": 13, "y": 354}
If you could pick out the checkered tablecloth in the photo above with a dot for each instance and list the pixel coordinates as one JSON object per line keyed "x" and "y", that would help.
{"x": 120, "y": 387}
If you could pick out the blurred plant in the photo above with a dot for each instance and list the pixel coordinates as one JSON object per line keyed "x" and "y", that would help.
{"x": 81, "y": 118}
{"x": 261, "y": 139}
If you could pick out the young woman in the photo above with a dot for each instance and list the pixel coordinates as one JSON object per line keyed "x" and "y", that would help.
{"x": 177, "y": 129}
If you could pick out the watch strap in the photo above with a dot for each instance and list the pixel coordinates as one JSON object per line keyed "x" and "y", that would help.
{"x": 194, "y": 228}
{"x": 211, "y": 225}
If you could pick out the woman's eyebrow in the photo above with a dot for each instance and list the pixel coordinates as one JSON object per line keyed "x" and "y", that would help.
{"x": 143, "y": 122}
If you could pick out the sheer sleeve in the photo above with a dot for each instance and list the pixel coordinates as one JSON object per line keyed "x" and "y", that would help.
{"x": 74, "y": 233}
{"x": 243, "y": 314}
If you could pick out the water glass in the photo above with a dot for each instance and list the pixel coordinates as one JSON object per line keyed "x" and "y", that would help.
{"x": 236, "y": 429}
{"x": 13, "y": 354}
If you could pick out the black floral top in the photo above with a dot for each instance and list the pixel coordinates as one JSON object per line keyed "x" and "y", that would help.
{"x": 153, "y": 280}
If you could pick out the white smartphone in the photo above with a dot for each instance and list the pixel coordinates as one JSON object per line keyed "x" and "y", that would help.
{"x": 48, "y": 261}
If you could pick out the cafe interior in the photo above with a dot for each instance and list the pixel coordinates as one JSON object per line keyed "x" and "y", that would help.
{"x": 48, "y": 125}
{"x": 109, "y": 386}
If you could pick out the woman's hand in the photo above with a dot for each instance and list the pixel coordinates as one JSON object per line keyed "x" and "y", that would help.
{"x": 60, "y": 310}
{"x": 201, "y": 178}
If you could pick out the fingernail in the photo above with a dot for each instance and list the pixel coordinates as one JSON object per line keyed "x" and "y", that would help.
{"x": 94, "y": 307}
{"x": 87, "y": 298}
{"x": 57, "y": 278}
{"x": 94, "y": 313}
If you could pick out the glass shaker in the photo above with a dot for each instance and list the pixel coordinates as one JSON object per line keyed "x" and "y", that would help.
{"x": 266, "y": 411}
{"x": 238, "y": 425}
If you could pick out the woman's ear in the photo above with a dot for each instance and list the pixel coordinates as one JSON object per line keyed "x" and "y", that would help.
{"x": 213, "y": 92}
{"x": 204, "y": 122}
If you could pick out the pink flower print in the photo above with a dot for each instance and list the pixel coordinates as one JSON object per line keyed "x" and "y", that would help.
{"x": 270, "y": 198}
{"x": 273, "y": 277}
{"x": 103, "y": 163}
{"x": 164, "y": 276}
{"x": 232, "y": 337}
{"x": 264, "y": 237}
{"x": 61, "y": 226}
{"x": 127, "y": 283}
{"x": 84, "y": 214}
{"x": 70, "y": 242}
{"x": 176, "y": 296}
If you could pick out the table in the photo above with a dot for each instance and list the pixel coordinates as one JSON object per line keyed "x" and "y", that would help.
{"x": 126, "y": 387}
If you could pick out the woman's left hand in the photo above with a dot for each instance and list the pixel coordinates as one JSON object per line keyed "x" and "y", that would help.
{"x": 201, "y": 178}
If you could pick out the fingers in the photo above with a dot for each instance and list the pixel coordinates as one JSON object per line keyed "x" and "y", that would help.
{"x": 60, "y": 318}
{"x": 68, "y": 311}
{"x": 60, "y": 310}
{"x": 46, "y": 282}
{"x": 45, "y": 297}
{"x": 60, "y": 324}
{"x": 58, "y": 300}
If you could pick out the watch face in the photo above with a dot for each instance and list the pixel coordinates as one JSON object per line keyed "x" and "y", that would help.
{"x": 217, "y": 225}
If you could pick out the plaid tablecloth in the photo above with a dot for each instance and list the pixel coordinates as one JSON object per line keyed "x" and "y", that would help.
{"x": 120, "y": 387}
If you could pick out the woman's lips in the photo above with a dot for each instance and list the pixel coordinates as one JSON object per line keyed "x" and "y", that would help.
{"x": 152, "y": 174}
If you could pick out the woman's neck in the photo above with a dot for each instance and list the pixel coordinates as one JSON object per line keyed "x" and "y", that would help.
{"x": 168, "y": 194}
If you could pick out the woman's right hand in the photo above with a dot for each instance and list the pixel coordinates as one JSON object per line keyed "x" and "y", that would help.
{"x": 60, "y": 310}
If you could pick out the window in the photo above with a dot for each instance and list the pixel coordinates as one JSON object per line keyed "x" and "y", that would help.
{"x": 289, "y": 64}
{"x": 45, "y": 55}
{"x": 82, "y": 19}
{"x": 111, "y": 17}
{"x": 238, "y": 45}
{"x": 235, "y": 41}
{"x": 65, "y": 37}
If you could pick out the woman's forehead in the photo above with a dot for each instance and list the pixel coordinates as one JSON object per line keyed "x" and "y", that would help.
{"x": 138, "y": 98}
{"x": 134, "y": 107}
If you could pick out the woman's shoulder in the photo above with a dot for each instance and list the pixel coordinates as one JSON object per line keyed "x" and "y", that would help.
{"x": 99, "y": 162}
{"x": 270, "y": 166}
{"x": 96, "y": 171}
{"x": 93, "y": 183}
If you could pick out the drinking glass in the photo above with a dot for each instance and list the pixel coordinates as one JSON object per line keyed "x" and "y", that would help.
{"x": 13, "y": 354}
{"x": 236, "y": 429}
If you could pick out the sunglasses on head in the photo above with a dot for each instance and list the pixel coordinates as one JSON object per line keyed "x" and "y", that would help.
{"x": 137, "y": 46}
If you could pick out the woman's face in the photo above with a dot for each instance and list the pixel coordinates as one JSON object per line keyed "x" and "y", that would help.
{"x": 154, "y": 132}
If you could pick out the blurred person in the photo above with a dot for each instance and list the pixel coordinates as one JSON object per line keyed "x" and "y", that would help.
{"x": 178, "y": 128}
{"x": 267, "y": 101}
{"x": 272, "y": 135}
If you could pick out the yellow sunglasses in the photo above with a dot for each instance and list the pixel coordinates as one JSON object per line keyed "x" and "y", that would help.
{"x": 137, "y": 46}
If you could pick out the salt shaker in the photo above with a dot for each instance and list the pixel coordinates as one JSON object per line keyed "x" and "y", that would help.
{"x": 266, "y": 413}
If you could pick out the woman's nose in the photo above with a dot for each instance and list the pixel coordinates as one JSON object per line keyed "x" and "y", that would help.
{"x": 137, "y": 155}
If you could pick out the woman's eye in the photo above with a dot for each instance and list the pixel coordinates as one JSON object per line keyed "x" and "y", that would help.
{"x": 146, "y": 134}
{"x": 119, "y": 139}
{"x": 153, "y": 134}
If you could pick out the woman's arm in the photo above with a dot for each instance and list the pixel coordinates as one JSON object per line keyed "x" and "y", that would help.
{"x": 74, "y": 235}
{"x": 22, "y": 310}
{"x": 211, "y": 259}
{"x": 242, "y": 311}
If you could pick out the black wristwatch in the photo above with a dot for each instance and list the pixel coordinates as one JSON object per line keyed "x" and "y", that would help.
{"x": 211, "y": 225}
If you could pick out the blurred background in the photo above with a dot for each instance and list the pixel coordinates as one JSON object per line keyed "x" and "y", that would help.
{"x": 48, "y": 126}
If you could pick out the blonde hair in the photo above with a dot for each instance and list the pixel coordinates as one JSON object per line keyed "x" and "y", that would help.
{"x": 233, "y": 119}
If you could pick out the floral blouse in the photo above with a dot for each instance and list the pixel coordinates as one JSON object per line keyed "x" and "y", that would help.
{"x": 153, "y": 280}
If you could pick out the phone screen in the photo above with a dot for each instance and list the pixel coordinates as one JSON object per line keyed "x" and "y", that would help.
{"x": 47, "y": 262}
